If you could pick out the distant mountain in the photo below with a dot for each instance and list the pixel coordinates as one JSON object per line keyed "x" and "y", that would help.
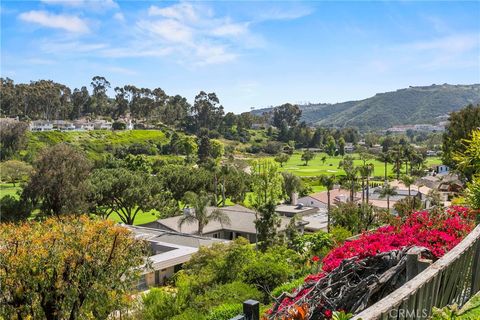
{"x": 413, "y": 105}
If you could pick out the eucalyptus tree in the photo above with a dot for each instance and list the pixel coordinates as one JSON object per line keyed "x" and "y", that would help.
{"x": 291, "y": 184}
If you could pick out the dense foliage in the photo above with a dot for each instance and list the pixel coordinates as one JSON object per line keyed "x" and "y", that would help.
{"x": 67, "y": 268}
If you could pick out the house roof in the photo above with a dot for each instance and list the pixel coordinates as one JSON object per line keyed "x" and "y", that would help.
{"x": 335, "y": 193}
{"x": 241, "y": 220}
{"x": 170, "y": 248}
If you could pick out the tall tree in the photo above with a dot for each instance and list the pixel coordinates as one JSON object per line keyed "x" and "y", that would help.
{"x": 126, "y": 193}
{"x": 288, "y": 112}
{"x": 460, "y": 127}
{"x": 328, "y": 182}
{"x": 60, "y": 180}
{"x": 385, "y": 158}
{"x": 199, "y": 204}
{"x": 341, "y": 146}
{"x": 291, "y": 184}
{"x": 266, "y": 182}
{"x": 266, "y": 224}
{"x": 67, "y": 268}
{"x": 330, "y": 147}
{"x": 351, "y": 172}
{"x": 12, "y": 138}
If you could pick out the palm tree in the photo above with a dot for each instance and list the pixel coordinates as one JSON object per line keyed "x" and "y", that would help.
{"x": 388, "y": 191}
{"x": 408, "y": 181}
{"x": 385, "y": 158}
{"x": 200, "y": 214}
{"x": 350, "y": 174}
{"x": 328, "y": 182}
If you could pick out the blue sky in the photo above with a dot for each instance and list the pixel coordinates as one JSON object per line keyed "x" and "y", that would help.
{"x": 251, "y": 53}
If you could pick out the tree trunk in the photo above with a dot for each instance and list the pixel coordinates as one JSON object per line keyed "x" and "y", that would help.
{"x": 388, "y": 204}
{"x": 328, "y": 210}
{"x": 385, "y": 170}
{"x": 368, "y": 190}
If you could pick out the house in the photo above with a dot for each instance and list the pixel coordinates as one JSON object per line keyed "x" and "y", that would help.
{"x": 290, "y": 210}
{"x": 242, "y": 224}
{"x": 349, "y": 147}
{"x": 40, "y": 125}
{"x": 102, "y": 125}
{"x": 169, "y": 251}
{"x": 320, "y": 199}
{"x": 441, "y": 169}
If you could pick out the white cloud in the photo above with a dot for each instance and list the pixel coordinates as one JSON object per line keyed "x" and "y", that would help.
{"x": 57, "y": 21}
{"x": 93, "y": 4}
{"x": 119, "y": 16}
{"x": 169, "y": 30}
{"x": 454, "y": 43}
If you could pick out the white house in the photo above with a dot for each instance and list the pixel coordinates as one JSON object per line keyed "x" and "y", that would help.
{"x": 41, "y": 126}
{"x": 170, "y": 250}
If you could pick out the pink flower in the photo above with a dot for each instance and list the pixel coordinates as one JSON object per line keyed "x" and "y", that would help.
{"x": 315, "y": 259}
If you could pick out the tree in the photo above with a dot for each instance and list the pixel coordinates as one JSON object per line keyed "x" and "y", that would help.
{"x": 266, "y": 224}
{"x": 12, "y": 138}
{"x": 307, "y": 155}
{"x": 126, "y": 193}
{"x": 100, "y": 102}
{"x": 468, "y": 161}
{"x": 13, "y": 209}
{"x": 473, "y": 193}
{"x": 386, "y": 192}
{"x": 350, "y": 174}
{"x": 286, "y": 112}
{"x": 15, "y": 171}
{"x": 207, "y": 112}
{"x": 60, "y": 180}
{"x": 385, "y": 158}
{"x": 408, "y": 181}
{"x": 460, "y": 126}
{"x": 204, "y": 147}
{"x": 341, "y": 146}
{"x": 331, "y": 147}
{"x": 67, "y": 268}
{"x": 266, "y": 183}
{"x": 291, "y": 184}
{"x": 282, "y": 158}
{"x": 328, "y": 182}
{"x": 199, "y": 212}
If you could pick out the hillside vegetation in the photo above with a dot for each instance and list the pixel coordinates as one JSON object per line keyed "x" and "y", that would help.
{"x": 412, "y": 105}
{"x": 94, "y": 143}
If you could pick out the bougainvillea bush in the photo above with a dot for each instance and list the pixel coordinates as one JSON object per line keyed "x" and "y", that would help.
{"x": 438, "y": 231}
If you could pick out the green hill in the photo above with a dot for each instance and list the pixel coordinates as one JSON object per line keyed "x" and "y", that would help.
{"x": 413, "y": 105}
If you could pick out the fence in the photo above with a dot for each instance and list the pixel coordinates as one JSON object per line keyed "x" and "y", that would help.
{"x": 251, "y": 311}
{"x": 454, "y": 278}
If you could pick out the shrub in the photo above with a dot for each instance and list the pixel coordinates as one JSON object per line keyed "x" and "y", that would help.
{"x": 234, "y": 292}
{"x": 287, "y": 286}
{"x": 158, "y": 304}
{"x": 225, "y": 311}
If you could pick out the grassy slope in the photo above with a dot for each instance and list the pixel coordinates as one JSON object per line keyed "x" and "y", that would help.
{"x": 94, "y": 142}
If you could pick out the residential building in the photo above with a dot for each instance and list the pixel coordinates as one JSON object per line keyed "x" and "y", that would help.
{"x": 41, "y": 125}
{"x": 242, "y": 224}
{"x": 169, "y": 251}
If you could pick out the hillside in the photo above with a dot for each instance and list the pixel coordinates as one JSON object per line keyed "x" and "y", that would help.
{"x": 405, "y": 106}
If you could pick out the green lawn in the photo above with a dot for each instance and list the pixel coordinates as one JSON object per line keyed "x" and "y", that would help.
{"x": 8, "y": 189}
{"x": 141, "y": 218}
{"x": 316, "y": 167}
